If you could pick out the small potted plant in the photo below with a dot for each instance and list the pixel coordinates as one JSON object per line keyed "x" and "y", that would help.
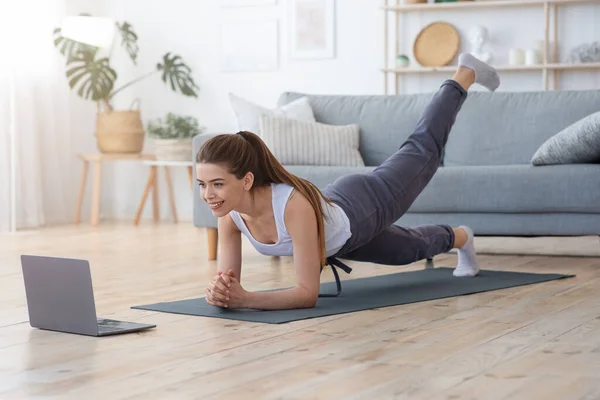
{"x": 172, "y": 137}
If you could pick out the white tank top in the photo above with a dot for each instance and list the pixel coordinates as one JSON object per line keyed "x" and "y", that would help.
{"x": 336, "y": 227}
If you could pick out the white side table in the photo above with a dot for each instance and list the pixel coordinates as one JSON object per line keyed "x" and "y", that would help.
{"x": 152, "y": 184}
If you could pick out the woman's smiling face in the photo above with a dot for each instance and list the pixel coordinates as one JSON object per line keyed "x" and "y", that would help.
{"x": 220, "y": 189}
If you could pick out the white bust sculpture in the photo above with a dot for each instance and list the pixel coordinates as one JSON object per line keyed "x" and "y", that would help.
{"x": 478, "y": 36}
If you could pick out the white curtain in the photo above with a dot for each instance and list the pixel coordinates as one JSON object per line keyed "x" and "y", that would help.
{"x": 6, "y": 170}
{"x": 36, "y": 157}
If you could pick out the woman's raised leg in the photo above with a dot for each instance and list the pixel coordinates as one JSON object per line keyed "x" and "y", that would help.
{"x": 375, "y": 200}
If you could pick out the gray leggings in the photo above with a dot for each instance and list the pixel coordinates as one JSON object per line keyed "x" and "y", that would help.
{"x": 373, "y": 201}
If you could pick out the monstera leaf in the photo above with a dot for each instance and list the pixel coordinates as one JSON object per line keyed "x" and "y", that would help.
{"x": 178, "y": 75}
{"x": 129, "y": 40}
{"x": 94, "y": 77}
{"x": 69, "y": 48}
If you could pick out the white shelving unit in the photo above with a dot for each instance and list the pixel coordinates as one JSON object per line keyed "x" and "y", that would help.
{"x": 549, "y": 58}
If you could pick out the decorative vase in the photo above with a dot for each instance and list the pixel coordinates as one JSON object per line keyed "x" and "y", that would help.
{"x": 402, "y": 61}
{"x": 173, "y": 149}
{"x": 516, "y": 56}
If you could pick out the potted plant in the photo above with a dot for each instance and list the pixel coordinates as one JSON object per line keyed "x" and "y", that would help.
{"x": 92, "y": 77}
{"x": 173, "y": 137}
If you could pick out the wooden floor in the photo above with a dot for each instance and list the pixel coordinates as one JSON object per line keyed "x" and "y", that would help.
{"x": 533, "y": 342}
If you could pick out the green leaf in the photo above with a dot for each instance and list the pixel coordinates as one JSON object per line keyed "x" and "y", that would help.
{"x": 178, "y": 75}
{"x": 129, "y": 40}
{"x": 69, "y": 48}
{"x": 174, "y": 127}
{"x": 95, "y": 77}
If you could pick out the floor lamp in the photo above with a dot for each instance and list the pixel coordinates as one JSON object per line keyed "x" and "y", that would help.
{"x": 12, "y": 138}
{"x": 94, "y": 31}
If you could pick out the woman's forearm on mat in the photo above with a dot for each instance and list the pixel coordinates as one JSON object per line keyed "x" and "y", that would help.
{"x": 237, "y": 272}
{"x": 280, "y": 300}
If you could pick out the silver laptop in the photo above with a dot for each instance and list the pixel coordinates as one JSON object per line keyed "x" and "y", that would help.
{"x": 60, "y": 297}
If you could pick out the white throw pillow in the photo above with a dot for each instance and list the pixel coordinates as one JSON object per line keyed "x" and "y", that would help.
{"x": 295, "y": 142}
{"x": 248, "y": 114}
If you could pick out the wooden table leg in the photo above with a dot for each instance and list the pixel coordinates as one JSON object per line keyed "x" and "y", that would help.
{"x": 155, "y": 205}
{"x": 170, "y": 193}
{"x": 191, "y": 177}
{"x": 81, "y": 193}
{"x": 149, "y": 185}
{"x": 213, "y": 242}
{"x": 96, "y": 189}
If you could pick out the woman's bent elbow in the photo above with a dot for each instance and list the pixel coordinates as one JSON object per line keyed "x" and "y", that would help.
{"x": 306, "y": 297}
{"x": 311, "y": 301}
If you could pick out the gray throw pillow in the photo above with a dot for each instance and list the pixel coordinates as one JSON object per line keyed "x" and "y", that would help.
{"x": 577, "y": 143}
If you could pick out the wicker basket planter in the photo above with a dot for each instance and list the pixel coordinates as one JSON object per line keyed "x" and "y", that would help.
{"x": 120, "y": 132}
{"x": 172, "y": 136}
{"x": 173, "y": 149}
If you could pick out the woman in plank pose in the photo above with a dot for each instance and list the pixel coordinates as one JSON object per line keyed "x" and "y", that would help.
{"x": 352, "y": 218}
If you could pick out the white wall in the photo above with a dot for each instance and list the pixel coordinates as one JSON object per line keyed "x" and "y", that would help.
{"x": 190, "y": 28}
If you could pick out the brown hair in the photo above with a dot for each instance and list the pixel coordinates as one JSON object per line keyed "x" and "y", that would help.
{"x": 246, "y": 152}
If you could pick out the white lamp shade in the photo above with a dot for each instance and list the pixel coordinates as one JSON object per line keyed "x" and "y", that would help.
{"x": 95, "y": 31}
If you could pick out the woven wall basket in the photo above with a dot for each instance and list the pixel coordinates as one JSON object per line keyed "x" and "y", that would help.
{"x": 120, "y": 131}
{"x": 436, "y": 45}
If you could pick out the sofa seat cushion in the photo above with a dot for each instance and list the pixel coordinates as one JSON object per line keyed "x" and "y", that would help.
{"x": 512, "y": 188}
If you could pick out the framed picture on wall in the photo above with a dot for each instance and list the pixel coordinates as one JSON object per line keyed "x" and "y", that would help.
{"x": 311, "y": 29}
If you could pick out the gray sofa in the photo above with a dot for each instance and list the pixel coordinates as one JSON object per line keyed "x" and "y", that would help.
{"x": 486, "y": 179}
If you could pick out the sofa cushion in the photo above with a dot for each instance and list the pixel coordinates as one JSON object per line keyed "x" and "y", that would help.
{"x": 296, "y": 142}
{"x": 385, "y": 121}
{"x": 503, "y": 128}
{"x": 512, "y": 188}
{"x": 577, "y": 143}
{"x": 498, "y": 128}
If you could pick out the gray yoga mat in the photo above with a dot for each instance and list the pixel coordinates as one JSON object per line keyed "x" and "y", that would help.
{"x": 367, "y": 293}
